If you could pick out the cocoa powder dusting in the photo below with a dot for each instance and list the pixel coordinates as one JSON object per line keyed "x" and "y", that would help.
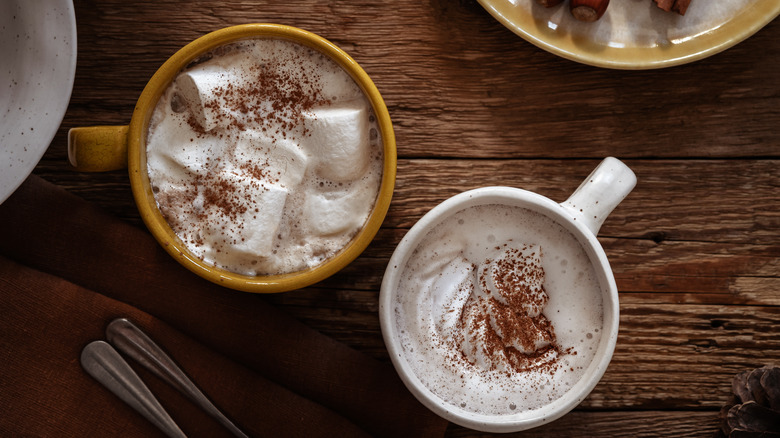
{"x": 225, "y": 196}
{"x": 510, "y": 328}
{"x": 267, "y": 95}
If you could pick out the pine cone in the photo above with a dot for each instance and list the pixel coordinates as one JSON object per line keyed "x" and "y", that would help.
{"x": 754, "y": 409}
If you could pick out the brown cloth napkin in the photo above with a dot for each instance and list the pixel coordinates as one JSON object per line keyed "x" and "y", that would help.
{"x": 67, "y": 269}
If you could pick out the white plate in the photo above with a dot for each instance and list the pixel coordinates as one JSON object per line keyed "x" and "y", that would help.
{"x": 38, "y": 53}
{"x": 636, "y": 34}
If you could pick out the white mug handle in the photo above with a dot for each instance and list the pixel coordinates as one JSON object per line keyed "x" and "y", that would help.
{"x": 600, "y": 193}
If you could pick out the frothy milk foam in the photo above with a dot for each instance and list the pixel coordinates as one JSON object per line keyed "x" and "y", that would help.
{"x": 498, "y": 310}
{"x": 264, "y": 156}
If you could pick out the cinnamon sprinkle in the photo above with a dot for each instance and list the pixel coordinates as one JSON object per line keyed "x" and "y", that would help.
{"x": 499, "y": 324}
{"x": 265, "y": 96}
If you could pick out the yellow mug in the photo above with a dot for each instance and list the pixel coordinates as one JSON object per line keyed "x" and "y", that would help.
{"x": 104, "y": 148}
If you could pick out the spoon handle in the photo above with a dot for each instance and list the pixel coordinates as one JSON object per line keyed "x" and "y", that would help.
{"x": 102, "y": 362}
{"x": 128, "y": 338}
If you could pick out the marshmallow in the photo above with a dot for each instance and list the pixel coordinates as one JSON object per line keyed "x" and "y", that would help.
{"x": 338, "y": 86}
{"x": 283, "y": 160}
{"x": 179, "y": 154}
{"x": 247, "y": 231}
{"x": 181, "y": 159}
{"x": 203, "y": 88}
{"x": 331, "y": 213}
{"x": 506, "y": 321}
{"x": 339, "y": 138}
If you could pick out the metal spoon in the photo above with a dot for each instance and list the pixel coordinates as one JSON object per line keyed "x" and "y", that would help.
{"x": 102, "y": 362}
{"x": 129, "y": 339}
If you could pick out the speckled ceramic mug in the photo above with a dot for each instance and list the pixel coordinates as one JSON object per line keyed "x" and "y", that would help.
{"x": 104, "y": 148}
{"x": 581, "y": 215}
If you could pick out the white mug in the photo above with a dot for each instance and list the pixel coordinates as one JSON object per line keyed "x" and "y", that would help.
{"x": 582, "y": 215}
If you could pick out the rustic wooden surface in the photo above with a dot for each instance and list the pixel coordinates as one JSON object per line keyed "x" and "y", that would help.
{"x": 695, "y": 247}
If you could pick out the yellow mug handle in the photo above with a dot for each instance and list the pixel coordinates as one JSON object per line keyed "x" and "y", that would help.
{"x": 98, "y": 148}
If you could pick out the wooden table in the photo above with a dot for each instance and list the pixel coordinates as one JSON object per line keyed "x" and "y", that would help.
{"x": 695, "y": 248}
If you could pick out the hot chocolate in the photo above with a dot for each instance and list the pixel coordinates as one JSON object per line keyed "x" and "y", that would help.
{"x": 498, "y": 310}
{"x": 264, "y": 157}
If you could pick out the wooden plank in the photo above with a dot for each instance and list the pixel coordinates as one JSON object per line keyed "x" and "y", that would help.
{"x": 453, "y": 65}
{"x": 672, "y": 424}
{"x": 701, "y": 200}
{"x": 694, "y": 200}
{"x": 685, "y": 355}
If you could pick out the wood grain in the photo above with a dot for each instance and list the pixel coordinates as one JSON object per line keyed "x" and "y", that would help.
{"x": 459, "y": 84}
{"x": 695, "y": 247}
{"x": 655, "y": 424}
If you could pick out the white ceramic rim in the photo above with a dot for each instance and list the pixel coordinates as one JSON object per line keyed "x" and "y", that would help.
{"x": 596, "y": 369}
{"x": 21, "y": 153}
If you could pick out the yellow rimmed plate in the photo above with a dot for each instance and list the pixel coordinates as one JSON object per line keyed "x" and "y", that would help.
{"x": 636, "y": 34}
